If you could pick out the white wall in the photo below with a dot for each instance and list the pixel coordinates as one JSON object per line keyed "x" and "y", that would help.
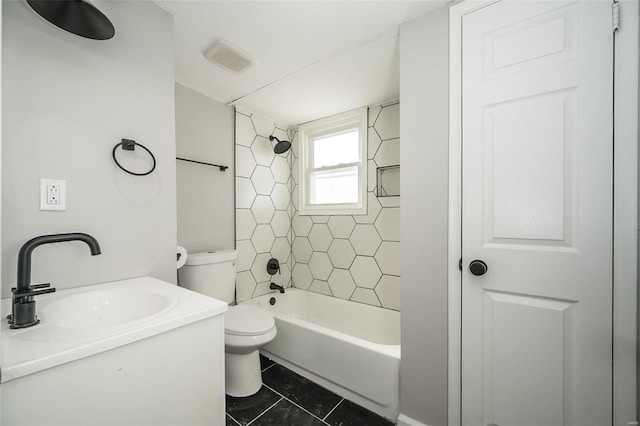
{"x": 66, "y": 102}
{"x": 424, "y": 74}
{"x": 204, "y": 132}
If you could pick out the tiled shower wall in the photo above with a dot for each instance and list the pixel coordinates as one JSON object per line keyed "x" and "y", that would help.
{"x": 355, "y": 257}
{"x": 263, "y": 205}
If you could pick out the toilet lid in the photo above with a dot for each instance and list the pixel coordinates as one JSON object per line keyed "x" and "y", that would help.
{"x": 244, "y": 320}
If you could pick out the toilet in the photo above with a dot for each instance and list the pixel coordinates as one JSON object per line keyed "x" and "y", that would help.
{"x": 247, "y": 328}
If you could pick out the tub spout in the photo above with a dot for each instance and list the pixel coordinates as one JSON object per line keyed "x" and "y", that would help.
{"x": 274, "y": 286}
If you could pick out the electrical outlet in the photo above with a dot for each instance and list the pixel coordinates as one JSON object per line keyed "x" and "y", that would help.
{"x": 53, "y": 194}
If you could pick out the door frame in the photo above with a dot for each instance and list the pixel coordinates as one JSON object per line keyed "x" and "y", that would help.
{"x": 625, "y": 217}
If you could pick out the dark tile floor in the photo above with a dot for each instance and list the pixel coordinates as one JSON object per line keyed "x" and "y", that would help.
{"x": 288, "y": 399}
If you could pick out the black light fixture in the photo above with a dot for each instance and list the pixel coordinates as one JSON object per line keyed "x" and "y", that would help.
{"x": 76, "y": 16}
{"x": 281, "y": 147}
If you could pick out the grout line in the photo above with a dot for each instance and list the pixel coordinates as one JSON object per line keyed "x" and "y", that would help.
{"x": 268, "y": 367}
{"x": 259, "y": 415}
{"x": 333, "y": 409}
{"x": 297, "y": 405}
{"x": 234, "y": 420}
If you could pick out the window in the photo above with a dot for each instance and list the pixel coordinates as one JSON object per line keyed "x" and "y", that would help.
{"x": 333, "y": 165}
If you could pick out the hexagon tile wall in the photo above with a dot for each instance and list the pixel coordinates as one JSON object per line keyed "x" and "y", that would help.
{"x": 354, "y": 257}
{"x": 263, "y": 206}
{"x": 351, "y": 257}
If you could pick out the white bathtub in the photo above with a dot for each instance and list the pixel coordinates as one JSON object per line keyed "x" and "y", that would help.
{"x": 350, "y": 348}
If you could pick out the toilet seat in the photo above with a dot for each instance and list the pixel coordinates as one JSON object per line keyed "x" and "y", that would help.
{"x": 244, "y": 320}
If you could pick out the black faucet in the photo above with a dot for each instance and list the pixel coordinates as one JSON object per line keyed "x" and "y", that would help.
{"x": 23, "y": 311}
{"x": 274, "y": 286}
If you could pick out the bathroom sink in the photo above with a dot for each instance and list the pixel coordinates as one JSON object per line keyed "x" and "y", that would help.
{"x": 102, "y": 308}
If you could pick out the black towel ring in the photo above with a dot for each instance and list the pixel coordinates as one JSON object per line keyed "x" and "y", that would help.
{"x": 130, "y": 145}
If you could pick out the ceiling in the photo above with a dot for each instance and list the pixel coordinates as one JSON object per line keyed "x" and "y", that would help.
{"x": 313, "y": 58}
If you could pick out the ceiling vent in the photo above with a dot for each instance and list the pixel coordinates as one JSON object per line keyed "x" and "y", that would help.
{"x": 223, "y": 54}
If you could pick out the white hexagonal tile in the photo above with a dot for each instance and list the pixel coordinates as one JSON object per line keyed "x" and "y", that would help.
{"x": 246, "y": 255}
{"x": 320, "y": 237}
{"x": 280, "y": 196}
{"x": 280, "y": 134}
{"x": 284, "y": 277}
{"x": 295, "y": 171}
{"x": 389, "y": 153}
{"x": 263, "y": 209}
{"x": 341, "y": 253}
{"x": 320, "y": 266}
{"x": 263, "y": 238}
{"x": 373, "y": 143}
{"x": 388, "y": 123}
{"x": 245, "y": 132}
{"x": 280, "y": 169}
{"x": 244, "y": 162}
{"x": 388, "y": 224}
{"x": 280, "y": 250}
{"x": 341, "y": 283}
{"x": 365, "y": 272}
{"x": 301, "y": 276}
{"x": 320, "y": 219}
{"x": 321, "y": 287}
{"x": 341, "y": 226}
{"x": 245, "y": 193}
{"x": 264, "y": 127}
{"x": 245, "y": 224}
{"x": 301, "y": 225}
{"x": 372, "y": 175}
{"x": 259, "y": 267}
{"x": 365, "y": 295}
{"x": 388, "y": 257}
{"x": 389, "y": 292}
{"x": 374, "y": 111}
{"x": 295, "y": 197}
{"x": 365, "y": 240}
{"x": 262, "y": 180}
{"x": 301, "y": 250}
{"x": 262, "y": 151}
{"x": 245, "y": 284}
{"x": 262, "y": 289}
{"x": 393, "y": 201}
{"x": 280, "y": 223}
{"x": 294, "y": 145}
{"x": 373, "y": 209}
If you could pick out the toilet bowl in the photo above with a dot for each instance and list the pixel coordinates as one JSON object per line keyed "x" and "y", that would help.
{"x": 247, "y": 328}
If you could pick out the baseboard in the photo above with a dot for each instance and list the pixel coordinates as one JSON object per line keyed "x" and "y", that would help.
{"x": 408, "y": 421}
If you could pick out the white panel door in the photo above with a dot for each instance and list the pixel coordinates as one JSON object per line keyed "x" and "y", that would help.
{"x": 537, "y": 209}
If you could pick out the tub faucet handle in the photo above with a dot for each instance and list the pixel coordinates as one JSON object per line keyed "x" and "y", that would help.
{"x": 273, "y": 266}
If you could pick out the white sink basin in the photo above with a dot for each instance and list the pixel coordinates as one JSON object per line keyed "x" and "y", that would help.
{"x": 83, "y": 321}
{"x": 102, "y": 308}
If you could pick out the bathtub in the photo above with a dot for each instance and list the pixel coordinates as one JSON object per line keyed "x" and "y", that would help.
{"x": 350, "y": 348}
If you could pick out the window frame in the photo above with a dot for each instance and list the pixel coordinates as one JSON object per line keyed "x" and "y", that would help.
{"x": 336, "y": 124}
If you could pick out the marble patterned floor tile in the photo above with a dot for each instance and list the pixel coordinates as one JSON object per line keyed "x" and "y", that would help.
{"x": 245, "y": 409}
{"x": 307, "y": 394}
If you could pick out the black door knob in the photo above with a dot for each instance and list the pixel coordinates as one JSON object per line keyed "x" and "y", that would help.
{"x": 478, "y": 267}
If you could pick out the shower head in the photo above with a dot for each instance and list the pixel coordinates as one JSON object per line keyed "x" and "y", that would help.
{"x": 76, "y": 16}
{"x": 281, "y": 147}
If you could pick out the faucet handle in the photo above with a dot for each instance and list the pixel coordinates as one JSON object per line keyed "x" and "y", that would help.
{"x": 45, "y": 285}
{"x": 34, "y": 293}
{"x": 13, "y": 289}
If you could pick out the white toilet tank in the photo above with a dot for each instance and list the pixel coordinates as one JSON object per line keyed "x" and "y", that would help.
{"x": 211, "y": 273}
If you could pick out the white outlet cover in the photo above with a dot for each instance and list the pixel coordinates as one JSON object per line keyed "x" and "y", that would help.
{"x": 61, "y": 205}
